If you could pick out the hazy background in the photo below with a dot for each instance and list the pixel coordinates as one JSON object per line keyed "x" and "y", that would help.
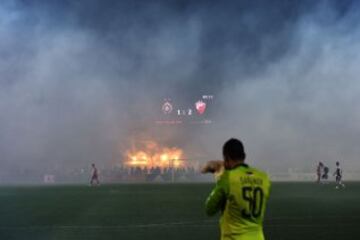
{"x": 79, "y": 79}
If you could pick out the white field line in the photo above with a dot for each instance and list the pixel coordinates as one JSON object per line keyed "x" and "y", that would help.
{"x": 205, "y": 223}
{"x": 312, "y": 217}
{"x": 149, "y": 225}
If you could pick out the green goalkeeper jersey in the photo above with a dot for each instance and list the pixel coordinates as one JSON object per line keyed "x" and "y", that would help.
{"x": 241, "y": 195}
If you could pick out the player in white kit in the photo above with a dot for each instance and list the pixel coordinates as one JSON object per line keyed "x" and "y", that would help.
{"x": 338, "y": 176}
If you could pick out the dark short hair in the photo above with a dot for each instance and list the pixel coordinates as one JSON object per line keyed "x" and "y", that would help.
{"x": 234, "y": 149}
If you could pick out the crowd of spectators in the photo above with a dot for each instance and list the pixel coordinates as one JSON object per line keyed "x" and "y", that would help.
{"x": 154, "y": 174}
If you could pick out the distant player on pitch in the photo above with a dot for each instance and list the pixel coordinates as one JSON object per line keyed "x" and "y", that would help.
{"x": 325, "y": 174}
{"x": 240, "y": 194}
{"x": 338, "y": 176}
{"x": 319, "y": 170}
{"x": 94, "y": 176}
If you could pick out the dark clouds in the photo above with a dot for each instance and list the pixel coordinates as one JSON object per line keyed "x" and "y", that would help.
{"x": 79, "y": 77}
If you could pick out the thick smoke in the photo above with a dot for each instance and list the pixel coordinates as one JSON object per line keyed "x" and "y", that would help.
{"x": 303, "y": 108}
{"x": 79, "y": 80}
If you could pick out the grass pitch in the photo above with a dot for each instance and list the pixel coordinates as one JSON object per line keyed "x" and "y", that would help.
{"x": 171, "y": 211}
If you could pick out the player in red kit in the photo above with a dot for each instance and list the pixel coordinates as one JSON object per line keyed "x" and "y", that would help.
{"x": 94, "y": 176}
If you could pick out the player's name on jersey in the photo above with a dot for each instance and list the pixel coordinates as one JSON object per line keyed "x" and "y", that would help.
{"x": 251, "y": 180}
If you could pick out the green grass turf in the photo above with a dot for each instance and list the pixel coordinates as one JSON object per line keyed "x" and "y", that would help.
{"x": 170, "y": 211}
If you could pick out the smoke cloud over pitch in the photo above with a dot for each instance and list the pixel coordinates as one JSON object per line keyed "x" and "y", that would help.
{"x": 78, "y": 80}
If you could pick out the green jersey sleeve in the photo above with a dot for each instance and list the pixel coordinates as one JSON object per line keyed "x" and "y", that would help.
{"x": 217, "y": 199}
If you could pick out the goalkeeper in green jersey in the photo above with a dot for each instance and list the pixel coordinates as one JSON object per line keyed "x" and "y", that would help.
{"x": 240, "y": 194}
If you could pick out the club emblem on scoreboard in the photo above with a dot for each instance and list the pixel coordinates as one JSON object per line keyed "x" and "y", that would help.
{"x": 200, "y": 107}
{"x": 167, "y": 107}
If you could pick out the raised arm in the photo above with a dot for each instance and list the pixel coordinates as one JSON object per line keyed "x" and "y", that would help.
{"x": 217, "y": 199}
